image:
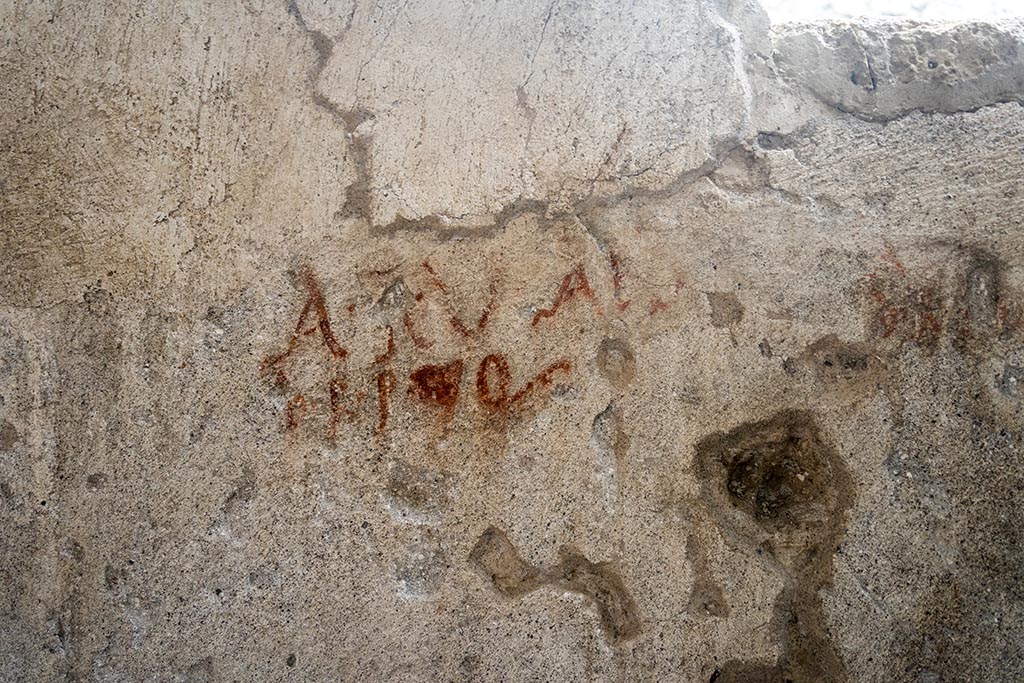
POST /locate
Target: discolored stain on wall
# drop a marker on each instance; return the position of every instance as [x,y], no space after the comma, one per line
[726,309]
[706,596]
[602,584]
[616,362]
[836,360]
[778,485]
[496,556]
[8,436]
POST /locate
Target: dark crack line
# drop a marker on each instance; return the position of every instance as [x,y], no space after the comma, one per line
[324,48]
[540,42]
[442,230]
[357,200]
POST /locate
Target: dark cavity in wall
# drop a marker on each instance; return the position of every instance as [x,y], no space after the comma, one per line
[777,484]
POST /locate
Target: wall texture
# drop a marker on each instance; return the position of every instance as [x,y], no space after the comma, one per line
[508,341]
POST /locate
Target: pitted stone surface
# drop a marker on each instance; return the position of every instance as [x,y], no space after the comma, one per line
[881,72]
[544,341]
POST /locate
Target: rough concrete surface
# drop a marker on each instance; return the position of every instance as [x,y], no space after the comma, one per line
[508,341]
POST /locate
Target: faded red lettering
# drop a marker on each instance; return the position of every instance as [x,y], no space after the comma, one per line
[493,392]
[888,255]
[657,306]
[573,284]
[493,378]
[294,412]
[485,316]
[455,321]
[336,390]
[385,385]
[543,379]
[437,384]
[417,339]
[618,276]
[314,306]
[434,277]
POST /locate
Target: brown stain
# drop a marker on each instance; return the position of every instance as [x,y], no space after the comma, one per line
[8,436]
[989,307]
[422,570]
[775,480]
[599,581]
[833,359]
[847,371]
[444,230]
[573,284]
[394,295]
[778,486]
[616,362]
[358,196]
[438,384]
[242,494]
[315,305]
[497,558]
[726,309]
[706,597]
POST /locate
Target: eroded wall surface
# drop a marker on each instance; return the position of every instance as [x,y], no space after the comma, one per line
[514,341]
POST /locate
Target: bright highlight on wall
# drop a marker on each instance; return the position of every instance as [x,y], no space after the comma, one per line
[926,10]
